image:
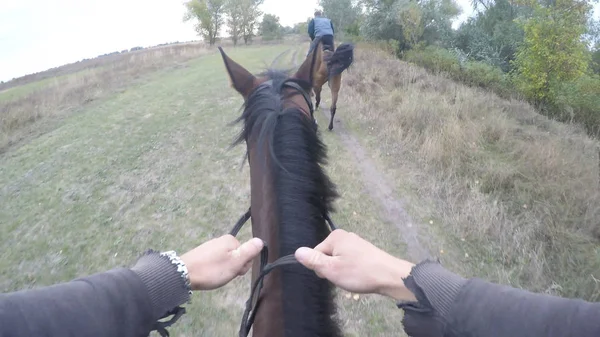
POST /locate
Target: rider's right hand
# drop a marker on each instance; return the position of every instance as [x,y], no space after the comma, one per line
[357,266]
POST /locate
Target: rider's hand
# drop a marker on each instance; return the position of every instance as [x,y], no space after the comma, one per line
[357,266]
[218,261]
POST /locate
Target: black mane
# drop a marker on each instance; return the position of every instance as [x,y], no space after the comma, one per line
[341,59]
[303,193]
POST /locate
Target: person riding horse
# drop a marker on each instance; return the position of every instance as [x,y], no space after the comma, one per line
[321,27]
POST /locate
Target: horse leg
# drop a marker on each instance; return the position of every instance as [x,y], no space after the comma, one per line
[317,90]
[335,83]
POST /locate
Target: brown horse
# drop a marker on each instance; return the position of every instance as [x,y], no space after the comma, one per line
[329,68]
[290,194]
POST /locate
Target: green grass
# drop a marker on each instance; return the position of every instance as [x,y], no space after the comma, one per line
[149,167]
[11,94]
[20,91]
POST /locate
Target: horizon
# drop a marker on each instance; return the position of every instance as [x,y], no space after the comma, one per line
[77,30]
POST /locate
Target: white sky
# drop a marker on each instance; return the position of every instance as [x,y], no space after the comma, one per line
[39,34]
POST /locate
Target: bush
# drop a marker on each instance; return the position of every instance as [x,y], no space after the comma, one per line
[435,59]
[472,73]
[578,101]
[573,101]
[391,47]
[487,76]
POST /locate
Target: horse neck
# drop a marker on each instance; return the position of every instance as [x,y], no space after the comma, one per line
[264,226]
[294,301]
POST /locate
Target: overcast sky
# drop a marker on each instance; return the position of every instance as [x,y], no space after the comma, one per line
[39,34]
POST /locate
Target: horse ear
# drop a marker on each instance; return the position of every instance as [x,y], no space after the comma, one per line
[241,79]
[306,70]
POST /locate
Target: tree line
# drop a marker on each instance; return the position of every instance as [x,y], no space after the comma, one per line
[239,17]
[545,51]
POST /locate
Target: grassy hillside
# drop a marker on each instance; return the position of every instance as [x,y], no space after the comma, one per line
[31,108]
[148,166]
[502,192]
[421,162]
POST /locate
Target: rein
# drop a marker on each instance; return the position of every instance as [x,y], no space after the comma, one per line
[265,269]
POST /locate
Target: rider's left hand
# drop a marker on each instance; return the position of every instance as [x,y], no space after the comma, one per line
[218,261]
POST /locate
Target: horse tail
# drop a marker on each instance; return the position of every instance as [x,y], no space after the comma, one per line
[341,59]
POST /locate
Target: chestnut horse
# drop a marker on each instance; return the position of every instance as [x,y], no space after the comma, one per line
[328,69]
[290,198]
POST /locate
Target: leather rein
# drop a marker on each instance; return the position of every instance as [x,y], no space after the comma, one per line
[265,269]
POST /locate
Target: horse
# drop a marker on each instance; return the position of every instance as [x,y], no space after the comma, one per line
[329,68]
[290,197]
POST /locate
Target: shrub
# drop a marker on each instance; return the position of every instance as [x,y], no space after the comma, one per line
[487,76]
[472,73]
[578,101]
[436,59]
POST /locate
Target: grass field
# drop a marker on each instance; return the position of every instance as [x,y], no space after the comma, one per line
[424,166]
[497,190]
[150,167]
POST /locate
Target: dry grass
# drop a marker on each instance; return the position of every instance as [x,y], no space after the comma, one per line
[60,90]
[514,194]
[62,94]
[150,167]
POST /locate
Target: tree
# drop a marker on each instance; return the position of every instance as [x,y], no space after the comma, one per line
[592,34]
[234,10]
[250,15]
[408,22]
[287,30]
[553,51]
[437,21]
[411,20]
[381,20]
[343,13]
[301,28]
[595,62]
[493,35]
[209,16]
[270,28]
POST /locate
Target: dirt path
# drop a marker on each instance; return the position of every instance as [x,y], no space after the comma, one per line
[277,60]
[378,186]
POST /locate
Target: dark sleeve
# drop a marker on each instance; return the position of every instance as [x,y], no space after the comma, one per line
[311,29]
[120,302]
[333,30]
[449,305]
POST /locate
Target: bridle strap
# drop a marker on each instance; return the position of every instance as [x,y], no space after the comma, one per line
[296,86]
[304,94]
[265,268]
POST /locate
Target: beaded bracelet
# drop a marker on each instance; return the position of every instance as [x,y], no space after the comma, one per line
[181,268]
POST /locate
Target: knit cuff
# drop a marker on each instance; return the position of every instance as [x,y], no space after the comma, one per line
[437,284]
[166,287]
[436,290]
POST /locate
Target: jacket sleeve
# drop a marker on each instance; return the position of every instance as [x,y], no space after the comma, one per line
[449,305]
[120,302]
[333,30]
[311,29]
